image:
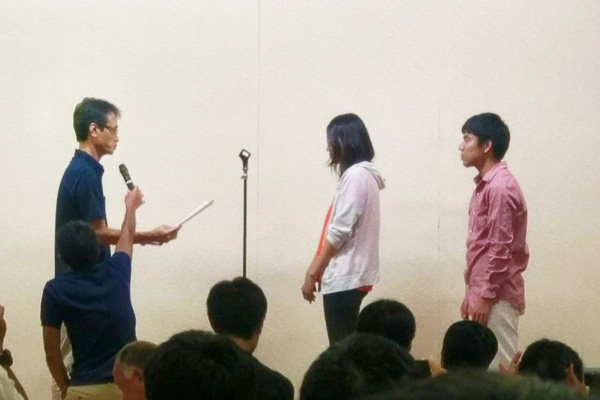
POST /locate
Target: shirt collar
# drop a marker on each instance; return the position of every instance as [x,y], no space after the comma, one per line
[90,161]
[491,173]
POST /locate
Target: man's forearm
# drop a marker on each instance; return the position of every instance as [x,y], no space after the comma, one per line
[128,227]
[58,371]
[125,243]
[110,236]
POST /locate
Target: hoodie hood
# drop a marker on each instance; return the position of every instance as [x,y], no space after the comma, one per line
[371,168]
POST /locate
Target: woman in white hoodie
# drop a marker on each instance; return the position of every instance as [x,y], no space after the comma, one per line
[347,261]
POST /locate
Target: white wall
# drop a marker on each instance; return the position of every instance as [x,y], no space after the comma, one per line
[197,81]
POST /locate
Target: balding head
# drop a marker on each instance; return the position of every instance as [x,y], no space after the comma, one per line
[129,369]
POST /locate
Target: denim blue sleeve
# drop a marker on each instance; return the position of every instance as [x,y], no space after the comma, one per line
[50,312]
[121,264]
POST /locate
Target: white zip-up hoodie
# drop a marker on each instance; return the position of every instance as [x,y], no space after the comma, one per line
[354,230]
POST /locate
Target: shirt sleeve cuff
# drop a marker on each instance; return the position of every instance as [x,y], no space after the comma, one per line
[335,241]
[121,255]
[488,293]
[52,324]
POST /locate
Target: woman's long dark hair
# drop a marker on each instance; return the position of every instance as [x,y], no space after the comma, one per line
[348,142]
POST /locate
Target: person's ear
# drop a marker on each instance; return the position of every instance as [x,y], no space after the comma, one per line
[487,146]
[573,381]
[93,129]
[138,375]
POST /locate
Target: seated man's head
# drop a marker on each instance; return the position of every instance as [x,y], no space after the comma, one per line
[358,365]
[237,309]
[388,318]
[551,360]
[199,365]
[468,344]
[128,371]
[77,245]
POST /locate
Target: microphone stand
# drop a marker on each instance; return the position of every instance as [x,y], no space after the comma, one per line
[245,155]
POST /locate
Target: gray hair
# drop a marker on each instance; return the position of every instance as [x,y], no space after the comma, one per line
[136,354]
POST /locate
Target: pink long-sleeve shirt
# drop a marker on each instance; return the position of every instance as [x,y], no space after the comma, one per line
[497,252]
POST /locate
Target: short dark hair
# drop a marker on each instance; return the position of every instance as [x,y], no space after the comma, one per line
[77,245]
[136,354]
[388,318]
[489,127]
[468,344]
[358,365]
[89,111]
[348,142]
[236,307]
[199,365]
[549,360]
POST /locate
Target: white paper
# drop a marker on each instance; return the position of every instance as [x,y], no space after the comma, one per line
[197,211]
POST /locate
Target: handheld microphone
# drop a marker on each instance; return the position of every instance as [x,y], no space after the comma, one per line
[125,172]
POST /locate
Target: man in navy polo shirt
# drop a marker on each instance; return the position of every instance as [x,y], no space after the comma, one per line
[80,194]
[94,303]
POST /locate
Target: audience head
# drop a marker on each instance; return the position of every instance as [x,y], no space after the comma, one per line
[388,318]
[552,360]
[468,344]
[78,245]
[359,364]
[195,365]
[237,309]
[348,142]
[489,127]
[478,385]
[90,111]
[129,369]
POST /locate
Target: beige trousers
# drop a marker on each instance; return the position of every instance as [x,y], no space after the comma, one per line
[104,391]
[504,322]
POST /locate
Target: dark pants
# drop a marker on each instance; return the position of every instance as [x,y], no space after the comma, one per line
[341,313]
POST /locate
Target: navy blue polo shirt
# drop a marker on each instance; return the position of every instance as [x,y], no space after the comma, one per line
[80,198]
[95,306]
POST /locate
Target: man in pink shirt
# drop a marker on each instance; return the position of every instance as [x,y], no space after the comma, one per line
[497,252]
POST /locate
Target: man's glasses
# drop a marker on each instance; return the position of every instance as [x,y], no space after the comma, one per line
[114,131]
